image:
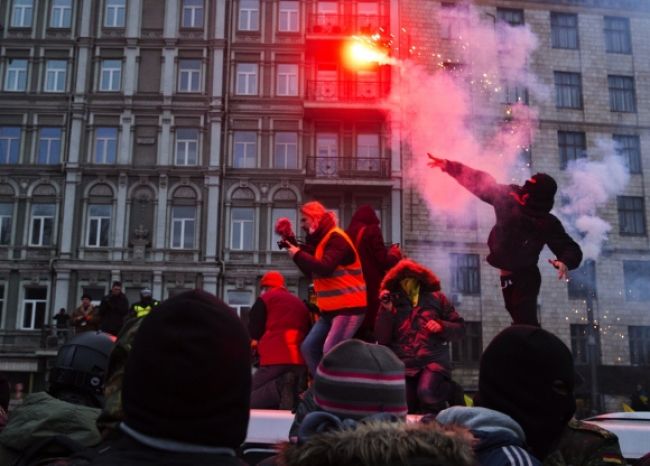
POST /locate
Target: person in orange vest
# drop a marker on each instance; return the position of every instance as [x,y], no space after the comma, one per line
[331,260]
[279,322]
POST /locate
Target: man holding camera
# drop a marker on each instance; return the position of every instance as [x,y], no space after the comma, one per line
[417,321]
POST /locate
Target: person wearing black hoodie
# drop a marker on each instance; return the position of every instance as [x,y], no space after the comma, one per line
[523,226]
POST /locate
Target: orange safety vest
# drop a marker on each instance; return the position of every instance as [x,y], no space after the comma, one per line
[345,288]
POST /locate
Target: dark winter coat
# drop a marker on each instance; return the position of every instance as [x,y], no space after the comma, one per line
[376,259]
[404,330]
[112,311]
[521,231]
[382,444]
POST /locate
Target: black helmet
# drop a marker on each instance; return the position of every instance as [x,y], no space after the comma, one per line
[80,367]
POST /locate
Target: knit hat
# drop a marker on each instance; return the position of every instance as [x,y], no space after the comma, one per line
[188,376]
[272,279]
[527,373]
[357,379]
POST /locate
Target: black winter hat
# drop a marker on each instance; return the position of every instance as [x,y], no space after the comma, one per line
[541,189]
[527,373]
[188,377]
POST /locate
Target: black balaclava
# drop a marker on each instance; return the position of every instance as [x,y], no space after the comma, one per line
[527,373]
[541,189]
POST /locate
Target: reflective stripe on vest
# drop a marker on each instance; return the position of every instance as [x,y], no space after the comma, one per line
[141,311]
[345,288]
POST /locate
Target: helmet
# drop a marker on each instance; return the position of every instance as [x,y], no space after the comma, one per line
[80,366]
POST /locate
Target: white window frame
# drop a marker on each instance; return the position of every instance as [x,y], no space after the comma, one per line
[103,157]
[289,16]
[57,74]
[183,146]
[180,223]
[192,75]
[237,244]
[39,222]
[192,10]
[61,10]
[282,149]
[246,79]
[16,76]
[116,11]
[239,306]
[30,306]
[97,221]
[244,146]
[287,79]
[6,221]
[22,13]
[50,159]
[249,15]
[110,75]
[8,142]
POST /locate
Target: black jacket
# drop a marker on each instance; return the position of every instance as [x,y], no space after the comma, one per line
[112,311]
[521,231]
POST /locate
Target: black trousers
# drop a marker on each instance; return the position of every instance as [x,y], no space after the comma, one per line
[520,290]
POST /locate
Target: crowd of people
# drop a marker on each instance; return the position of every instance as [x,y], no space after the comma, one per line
[170,382]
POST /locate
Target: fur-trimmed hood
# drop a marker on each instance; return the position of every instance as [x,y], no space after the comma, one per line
[408,268]
[382,443]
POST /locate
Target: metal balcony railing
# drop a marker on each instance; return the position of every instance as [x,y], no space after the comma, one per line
[332,23]
[348,167]
[346,91]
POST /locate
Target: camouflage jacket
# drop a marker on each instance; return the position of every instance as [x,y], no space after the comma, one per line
[584,444]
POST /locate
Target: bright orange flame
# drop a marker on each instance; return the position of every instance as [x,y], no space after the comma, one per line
[359,55]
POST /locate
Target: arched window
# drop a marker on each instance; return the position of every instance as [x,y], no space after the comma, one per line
[184,219]
[7,201]
[99,216]
[42,216]
[285,204]
[242,220]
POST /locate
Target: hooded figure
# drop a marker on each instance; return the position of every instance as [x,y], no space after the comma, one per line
[376,259]
[524,225]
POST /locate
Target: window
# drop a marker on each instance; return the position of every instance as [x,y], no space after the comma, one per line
[183,227]
[55,74]
[241,228]
[245,149]
[639,338]
[580,343]
[249,15]
[279,212]
[636,276]
[288,17]
[189,75]
[621,93]
[111,76]
[21,14]
[513,93]
[241,301]
[629,147]
[568,90]
[105,145]
[511,16]
[468,350]
[34,308]
[6,215]
[453,20]
[192,14]
[114,13]
[367,152]
[42,225]
[9,144]
[16,75]
[617,35]
[564,30]
[285,155]
[99,225]
[631,216]
[287,82]
[572,146]
[49,146]
[187,146]
[583,281]
[326,154]
[61,14]
[246,80]
[465,273]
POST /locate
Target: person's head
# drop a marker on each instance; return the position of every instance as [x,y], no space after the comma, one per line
[527,373]
[357,379]
[539,192]
[116,288]
[365,215]
[145,294]
[272,279]
[62,311]
[85,300]
[188,377]
[78,372]
[311,215]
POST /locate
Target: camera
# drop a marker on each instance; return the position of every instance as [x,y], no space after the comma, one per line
[284,244]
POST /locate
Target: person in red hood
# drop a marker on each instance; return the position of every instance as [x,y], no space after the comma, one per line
[524,225]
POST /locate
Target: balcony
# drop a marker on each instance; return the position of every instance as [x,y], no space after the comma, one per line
[334,91]
[331,24]
[348,168]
